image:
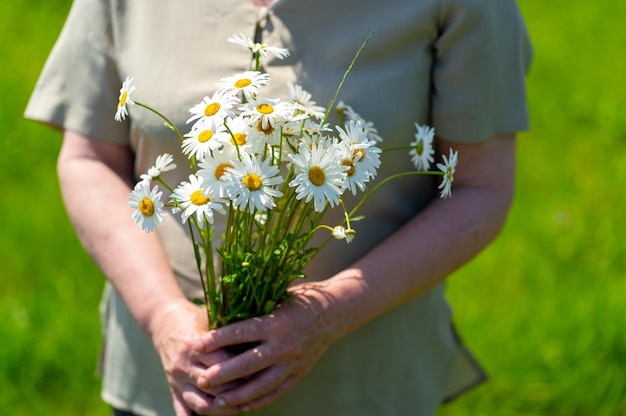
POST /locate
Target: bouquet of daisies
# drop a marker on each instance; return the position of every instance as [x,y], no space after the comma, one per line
[272,167]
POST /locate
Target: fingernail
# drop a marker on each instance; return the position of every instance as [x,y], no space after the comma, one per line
[221,402]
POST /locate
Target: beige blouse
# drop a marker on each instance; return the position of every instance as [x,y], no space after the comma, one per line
[456,65]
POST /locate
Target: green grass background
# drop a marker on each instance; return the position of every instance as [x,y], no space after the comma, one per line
[544,307]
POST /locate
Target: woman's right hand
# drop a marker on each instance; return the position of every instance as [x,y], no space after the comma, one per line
[174,332]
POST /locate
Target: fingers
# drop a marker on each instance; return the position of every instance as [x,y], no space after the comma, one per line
[200,363]
[180,407]
[184,364]
[198,401]
[184,372]
[192,401]
[206,360]
[239,367]
[233,334]
[287,345]
[262,390]
[269,381]
[271,397]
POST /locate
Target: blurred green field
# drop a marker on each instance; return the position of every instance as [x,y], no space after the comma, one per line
[544,308]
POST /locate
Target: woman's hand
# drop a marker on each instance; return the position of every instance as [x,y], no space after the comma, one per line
[175,331]
[290,341]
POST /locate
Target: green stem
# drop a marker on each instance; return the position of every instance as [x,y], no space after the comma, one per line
[162,182]
[208,299]
[345,212]
[167,120]
[393,149]
[345,75]
[234,140]
[209,272]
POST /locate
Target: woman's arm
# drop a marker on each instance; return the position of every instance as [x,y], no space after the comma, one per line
[95,179]
[442,238]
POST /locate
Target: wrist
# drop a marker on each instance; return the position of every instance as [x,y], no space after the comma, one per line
[339,302]
[160,313]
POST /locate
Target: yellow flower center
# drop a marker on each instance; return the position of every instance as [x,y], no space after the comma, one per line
[123,98]
[146,207]
[316,175]
[265,108]
[205,136]
[221,169]
[243,82]
[240,138]
[198,198]
[359,154]
[252,182]
[212,109]
[350,164]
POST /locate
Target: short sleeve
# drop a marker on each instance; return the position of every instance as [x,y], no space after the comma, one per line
[482,55]
[78,87]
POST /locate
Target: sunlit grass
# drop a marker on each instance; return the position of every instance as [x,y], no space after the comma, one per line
[543,307]
[49,289]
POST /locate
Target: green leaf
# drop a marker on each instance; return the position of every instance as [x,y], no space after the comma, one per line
[269,306]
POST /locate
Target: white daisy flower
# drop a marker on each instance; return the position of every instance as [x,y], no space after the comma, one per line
[303,102]
[270,111]
[310,140]
[366,153]
[352,132]
[359,168]
[145,178]
[341,106]
[191,199]
[447,167]
[204,138]
[124,101]
[303,128]
[218,106]
[321,175]
[251,183]
[213,169]
[422,148]
[368,126]
[340,233]
[240,134]
[258,48]
[148,206]
[307,132]
[261,137]
[248,82]
[164,163]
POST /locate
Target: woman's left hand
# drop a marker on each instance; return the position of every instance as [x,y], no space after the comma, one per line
[290,341]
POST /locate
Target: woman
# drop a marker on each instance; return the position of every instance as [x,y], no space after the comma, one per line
[369,332]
